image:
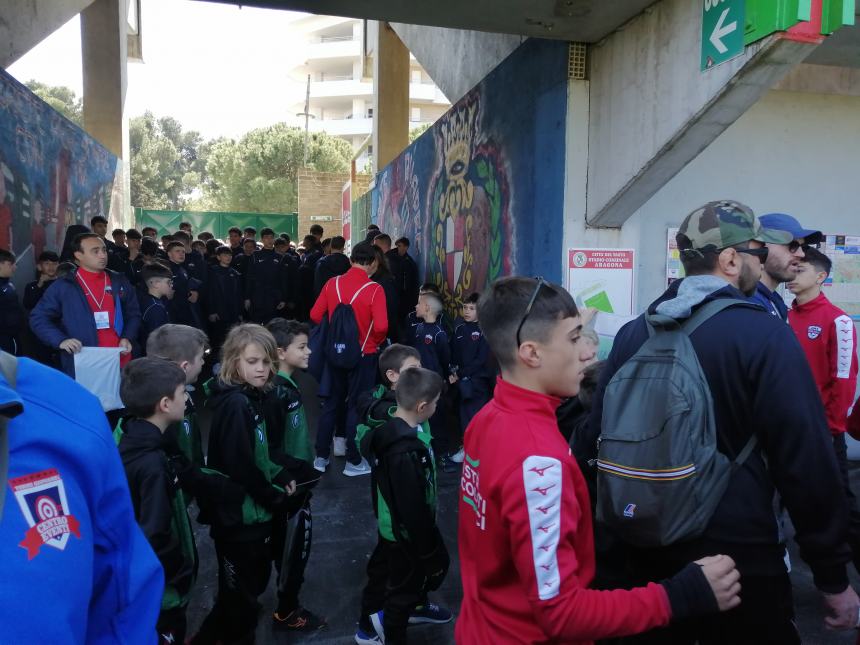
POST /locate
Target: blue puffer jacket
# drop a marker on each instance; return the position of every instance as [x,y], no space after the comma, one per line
[76,567]
[63,312]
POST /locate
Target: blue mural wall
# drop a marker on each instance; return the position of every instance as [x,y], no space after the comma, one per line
[52,174]
[481,193]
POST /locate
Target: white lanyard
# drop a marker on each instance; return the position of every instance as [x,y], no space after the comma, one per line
[92,295]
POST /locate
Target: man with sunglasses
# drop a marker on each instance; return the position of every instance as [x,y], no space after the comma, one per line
[782,260]
[760,383]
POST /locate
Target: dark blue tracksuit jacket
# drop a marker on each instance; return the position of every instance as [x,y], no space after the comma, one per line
[761,383]
[432,344]
[470,354]
[63,312]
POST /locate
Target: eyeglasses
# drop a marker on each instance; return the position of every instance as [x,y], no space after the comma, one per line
[761,253]
[793,246]
[540,282]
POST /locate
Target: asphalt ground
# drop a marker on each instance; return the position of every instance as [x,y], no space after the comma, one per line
[344,534]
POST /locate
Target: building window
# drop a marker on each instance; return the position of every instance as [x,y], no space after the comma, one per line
[369,113]
[415,114]
[416,75]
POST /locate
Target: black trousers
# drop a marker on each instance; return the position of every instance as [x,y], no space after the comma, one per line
[243,574]
[342,391]
[764,617]
[291,559]
[841,451]
[171,626]
[395,585]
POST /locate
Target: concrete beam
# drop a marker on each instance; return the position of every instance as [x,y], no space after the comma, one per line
[456,59]
[821,79]
[652,109]
[26,23]
[390,97]
[104,52]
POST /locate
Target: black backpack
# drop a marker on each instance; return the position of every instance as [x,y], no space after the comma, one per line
[343,348]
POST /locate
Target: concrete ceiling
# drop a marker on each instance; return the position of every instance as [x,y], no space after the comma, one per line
[576,20]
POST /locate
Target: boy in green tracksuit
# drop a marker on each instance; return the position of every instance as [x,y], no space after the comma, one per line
[378,407]
[153,390]
[290,446]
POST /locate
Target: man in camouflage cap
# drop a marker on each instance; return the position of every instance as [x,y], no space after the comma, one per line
[759,383]
[717,226]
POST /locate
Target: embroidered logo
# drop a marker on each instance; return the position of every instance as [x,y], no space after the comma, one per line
[476,336]
[630,510]
[428,339]
[42,499]
[469,487]
[813,331]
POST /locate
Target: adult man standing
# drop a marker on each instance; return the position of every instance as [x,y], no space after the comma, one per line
[782,261]
[750,360]
[264,281]
[829,341]
[334,264]
[90,307]
[408,280]
[367,300]
[186,290]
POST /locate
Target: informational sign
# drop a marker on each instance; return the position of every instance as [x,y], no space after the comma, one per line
[722,31]
[843,286]
[602,279]
[607,327]
[674,268]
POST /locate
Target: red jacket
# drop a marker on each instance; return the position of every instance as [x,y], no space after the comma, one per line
[369,307]
[525,536]
[829,341]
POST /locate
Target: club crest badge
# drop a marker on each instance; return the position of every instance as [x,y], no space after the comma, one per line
[813,331]
[476,336]
[42,499]
[428,339]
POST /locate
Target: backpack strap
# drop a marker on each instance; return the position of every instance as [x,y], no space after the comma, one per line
[9,368]
[337,289]
[709,310]
[355,295]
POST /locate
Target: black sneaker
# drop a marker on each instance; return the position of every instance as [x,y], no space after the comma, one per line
[298,620]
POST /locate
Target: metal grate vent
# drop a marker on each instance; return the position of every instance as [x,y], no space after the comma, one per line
[576,62]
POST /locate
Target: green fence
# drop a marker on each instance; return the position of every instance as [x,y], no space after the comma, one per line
[216,223]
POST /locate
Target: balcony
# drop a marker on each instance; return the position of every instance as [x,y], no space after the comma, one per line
[344,127]
[334,48]
[426,93]
[344,88]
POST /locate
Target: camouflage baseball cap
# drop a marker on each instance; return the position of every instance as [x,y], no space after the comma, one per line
[726,223]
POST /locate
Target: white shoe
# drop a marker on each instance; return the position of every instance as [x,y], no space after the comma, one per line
[320,464]
[458,456]
[339,449]
[354,470]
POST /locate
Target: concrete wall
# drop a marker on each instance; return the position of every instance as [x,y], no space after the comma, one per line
[26,23]
[320,196]
[481,193]
[792,152]
[456,59]
[52,173]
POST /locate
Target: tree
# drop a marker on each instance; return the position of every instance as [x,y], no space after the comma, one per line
[61,98]
[418,130]
[167,164]
[259,172]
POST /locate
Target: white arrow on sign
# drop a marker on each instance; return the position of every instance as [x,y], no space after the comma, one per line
[721,31]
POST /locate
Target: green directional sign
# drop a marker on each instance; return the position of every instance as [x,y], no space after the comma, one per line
[722,31]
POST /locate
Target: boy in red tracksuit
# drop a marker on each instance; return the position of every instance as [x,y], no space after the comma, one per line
[525,534]
[829,341]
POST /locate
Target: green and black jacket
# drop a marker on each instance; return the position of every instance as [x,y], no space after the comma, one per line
[285,418]
[159,507]
[239,450]
[186,434]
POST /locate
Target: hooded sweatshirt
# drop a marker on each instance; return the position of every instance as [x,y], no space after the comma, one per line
[159,507]
[829,340]
[760,382]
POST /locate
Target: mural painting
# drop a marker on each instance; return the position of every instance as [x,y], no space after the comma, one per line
[52,174]
[467,191]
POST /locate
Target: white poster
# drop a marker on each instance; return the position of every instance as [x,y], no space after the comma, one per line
[602,279]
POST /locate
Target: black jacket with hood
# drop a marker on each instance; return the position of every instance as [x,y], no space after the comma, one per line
[761,383]
[159,506]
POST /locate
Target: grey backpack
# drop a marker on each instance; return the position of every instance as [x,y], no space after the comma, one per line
[659,473]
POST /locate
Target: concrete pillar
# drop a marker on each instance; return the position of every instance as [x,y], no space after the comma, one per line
[104,58]
[390,97]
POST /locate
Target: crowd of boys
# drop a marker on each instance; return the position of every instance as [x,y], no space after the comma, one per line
[530,554]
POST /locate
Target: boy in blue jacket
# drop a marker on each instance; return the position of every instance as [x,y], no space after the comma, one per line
[469,366]
[158,282]
[66,517]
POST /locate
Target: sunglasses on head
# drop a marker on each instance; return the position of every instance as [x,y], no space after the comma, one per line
[540,283]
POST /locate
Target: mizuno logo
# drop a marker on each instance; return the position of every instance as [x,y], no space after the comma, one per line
[546,528]
[543,491]
[545,509]
[541,471]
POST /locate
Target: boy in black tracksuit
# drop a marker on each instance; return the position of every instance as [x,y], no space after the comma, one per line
[264,281]
[290,445]
[258,488]
[33,292]
[153,391]
[11,312]
[154,294]
[469,360]
[223,301]
[410,558]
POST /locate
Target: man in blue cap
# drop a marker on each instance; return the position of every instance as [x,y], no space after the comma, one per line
[782,259]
